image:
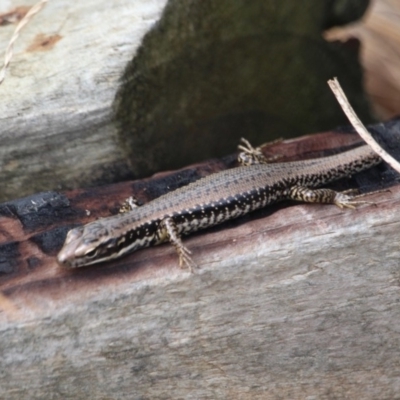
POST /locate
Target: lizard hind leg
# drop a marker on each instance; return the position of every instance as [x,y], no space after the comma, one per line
[169,227]
[250,155]
[347,198]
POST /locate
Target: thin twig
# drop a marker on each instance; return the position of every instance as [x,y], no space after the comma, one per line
[358,125]
[9,51]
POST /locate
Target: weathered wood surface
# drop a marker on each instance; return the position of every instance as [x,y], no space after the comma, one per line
[291,302]
[379,33]
[202,78]
[56,101]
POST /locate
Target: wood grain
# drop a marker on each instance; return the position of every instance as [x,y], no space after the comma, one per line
[192,77]
[295,301]
[56,109]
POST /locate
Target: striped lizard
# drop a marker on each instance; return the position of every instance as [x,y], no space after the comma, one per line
[212,200]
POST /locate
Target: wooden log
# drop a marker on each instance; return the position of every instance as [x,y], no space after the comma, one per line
[56,127]
[296,301]
[197,77]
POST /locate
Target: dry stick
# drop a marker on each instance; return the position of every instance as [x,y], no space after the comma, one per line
[358,125]
[9,52]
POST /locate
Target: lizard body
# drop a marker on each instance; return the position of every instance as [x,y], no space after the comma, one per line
[210,201]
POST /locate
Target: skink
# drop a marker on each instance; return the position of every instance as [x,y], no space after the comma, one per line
[212,200]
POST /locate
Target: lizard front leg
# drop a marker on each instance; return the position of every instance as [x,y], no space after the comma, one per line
[128,205]
[169,229]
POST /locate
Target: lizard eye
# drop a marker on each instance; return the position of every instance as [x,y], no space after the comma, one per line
[91,253]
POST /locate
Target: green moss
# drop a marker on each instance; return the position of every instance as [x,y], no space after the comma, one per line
[211,72]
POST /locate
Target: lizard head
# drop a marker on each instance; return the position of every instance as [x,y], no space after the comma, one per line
[87,245]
